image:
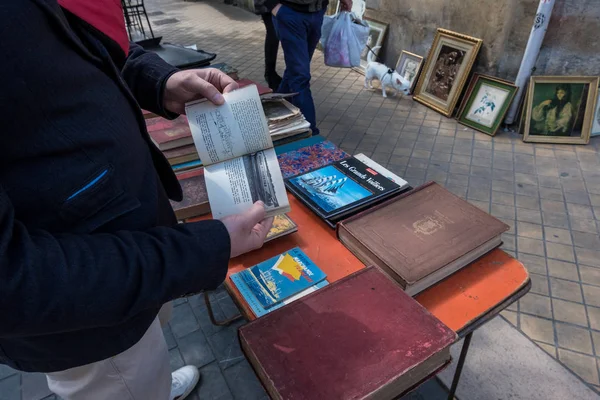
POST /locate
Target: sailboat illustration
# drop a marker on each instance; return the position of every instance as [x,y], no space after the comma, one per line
[315,182]
[328,185]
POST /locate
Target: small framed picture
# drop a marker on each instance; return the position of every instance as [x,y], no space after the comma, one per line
[560,109]
[485,103]
[377,33]
[596,123]
[446,70]
[409,66]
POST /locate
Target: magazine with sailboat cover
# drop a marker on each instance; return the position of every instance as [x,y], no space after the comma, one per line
[342,187]
[280,277]
[235,146]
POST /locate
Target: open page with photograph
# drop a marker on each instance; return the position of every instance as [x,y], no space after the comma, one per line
[231,130]
[234,185]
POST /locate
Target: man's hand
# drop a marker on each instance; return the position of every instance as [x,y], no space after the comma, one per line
[194,84]
[345,5]
[546,103]
[275,9]
[248,230]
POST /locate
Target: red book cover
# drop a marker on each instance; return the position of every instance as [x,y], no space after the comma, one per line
[261,89]
[168,134]
[360,337]
[195,197]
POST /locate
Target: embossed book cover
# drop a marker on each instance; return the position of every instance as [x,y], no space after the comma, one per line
[422,236]
[360,337]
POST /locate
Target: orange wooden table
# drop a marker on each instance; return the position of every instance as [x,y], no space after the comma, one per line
[464,301]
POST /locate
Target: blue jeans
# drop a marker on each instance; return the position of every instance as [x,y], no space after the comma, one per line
[299,34]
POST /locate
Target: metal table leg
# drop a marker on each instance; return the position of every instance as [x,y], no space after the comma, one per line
[459,366]
[211,315]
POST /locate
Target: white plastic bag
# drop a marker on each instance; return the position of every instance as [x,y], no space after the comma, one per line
[343,37]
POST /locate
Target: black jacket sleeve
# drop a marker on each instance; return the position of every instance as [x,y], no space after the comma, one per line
[59,283]
[146,75]
[270,4]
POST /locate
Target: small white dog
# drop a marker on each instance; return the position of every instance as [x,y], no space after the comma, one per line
[386,76]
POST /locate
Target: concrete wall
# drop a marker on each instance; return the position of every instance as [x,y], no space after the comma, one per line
[571,46]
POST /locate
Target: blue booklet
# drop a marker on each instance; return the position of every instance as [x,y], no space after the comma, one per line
[279,278]
[255,305]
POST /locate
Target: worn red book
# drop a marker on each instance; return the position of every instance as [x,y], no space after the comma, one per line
[360,337]
[195,197]
[261,89]
[169,134]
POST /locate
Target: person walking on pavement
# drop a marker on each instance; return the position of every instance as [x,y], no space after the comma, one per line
[298,26]
[271,45]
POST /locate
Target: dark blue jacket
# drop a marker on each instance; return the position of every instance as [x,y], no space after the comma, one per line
[89,246]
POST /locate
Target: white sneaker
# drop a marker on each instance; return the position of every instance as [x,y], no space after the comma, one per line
[183,382]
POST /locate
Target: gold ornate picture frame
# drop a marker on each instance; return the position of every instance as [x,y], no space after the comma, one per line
[560,109]
[447,67]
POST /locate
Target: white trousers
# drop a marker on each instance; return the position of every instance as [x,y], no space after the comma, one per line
[141,372]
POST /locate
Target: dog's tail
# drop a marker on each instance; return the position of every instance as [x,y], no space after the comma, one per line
[371,52]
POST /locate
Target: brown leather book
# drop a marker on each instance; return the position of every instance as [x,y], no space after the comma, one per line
[422,236]
[360,337]
[195,198]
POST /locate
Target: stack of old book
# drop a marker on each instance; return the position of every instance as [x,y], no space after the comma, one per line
[343,188]
[286,122]
[174,139]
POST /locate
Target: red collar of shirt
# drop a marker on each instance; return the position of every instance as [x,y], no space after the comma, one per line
[104,15]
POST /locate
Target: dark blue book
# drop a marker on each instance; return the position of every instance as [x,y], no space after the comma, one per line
[343,188]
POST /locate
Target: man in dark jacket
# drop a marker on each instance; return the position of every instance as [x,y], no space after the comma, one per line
[89,246]
[298,26]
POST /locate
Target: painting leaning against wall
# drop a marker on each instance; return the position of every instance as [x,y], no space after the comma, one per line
[446,70]
[560,109]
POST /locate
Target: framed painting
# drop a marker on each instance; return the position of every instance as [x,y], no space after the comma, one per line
[560,109]
[377,33]
[446,69]
[596,122]
[409,66]
[332,7]
[358,7]
[486,102]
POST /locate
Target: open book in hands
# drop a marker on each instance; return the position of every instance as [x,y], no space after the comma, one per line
[235,146]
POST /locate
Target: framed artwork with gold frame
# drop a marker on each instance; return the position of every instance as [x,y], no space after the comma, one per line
[446,70]
[408,66]
[560,109]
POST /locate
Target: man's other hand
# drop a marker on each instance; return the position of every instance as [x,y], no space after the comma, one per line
[194,84]
[248,230]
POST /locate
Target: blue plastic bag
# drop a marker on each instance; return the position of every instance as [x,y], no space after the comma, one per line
[343,37]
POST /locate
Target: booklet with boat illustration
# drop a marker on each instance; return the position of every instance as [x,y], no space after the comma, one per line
[278,278]
[343,188]
[235,146]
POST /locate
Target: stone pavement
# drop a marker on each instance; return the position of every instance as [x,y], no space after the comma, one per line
[549,195]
